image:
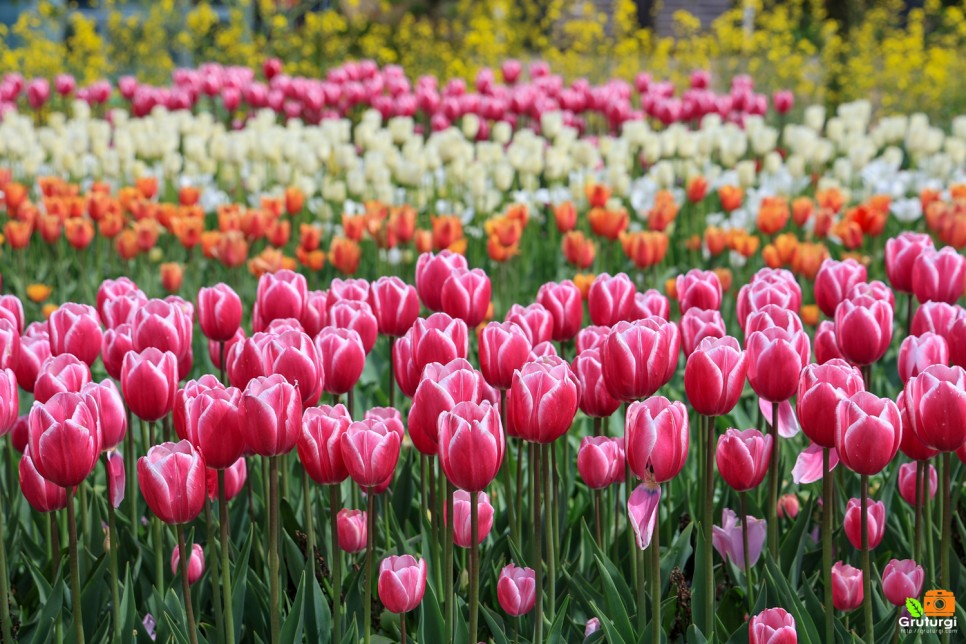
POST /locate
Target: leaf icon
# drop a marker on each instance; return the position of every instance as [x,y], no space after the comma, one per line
[914,607]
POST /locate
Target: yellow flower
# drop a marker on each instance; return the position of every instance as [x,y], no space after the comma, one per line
[38,292]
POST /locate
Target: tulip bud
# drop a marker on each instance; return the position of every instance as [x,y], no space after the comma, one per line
[600,461]
[462,528]
[219,312]
[75,329]
[41,494]
[772,626]
[907,482]
[352,527]
[272,412]
[656,438]
[196,563]
[566,307]
[847,591]
[64,441]
[516,590]
[402,582]
[149,380]
[471,444]
[867,432]
[901,579]
[853,523]
[743,457]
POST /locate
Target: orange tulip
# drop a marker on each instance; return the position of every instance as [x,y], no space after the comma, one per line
[870,217]
[353,226]
[696,189]
[402,223]
[785,245]
[309,237]
[97,186]
[50,228]
[498,252]
[423,240]
[583,281]
[48,309]
[597,195]
[725,277]
[772,215]
[824,219]
[957,191]
[188,195]
[313,260]
[147,233]
[671,288]
[952,228]
[279,232]
[664,211]
[38,292]
[98,204]
[744,244]
[126,244]
[294,200]
[693,242]
[730,197]
[14,194]
[209,241]
[188,230]
[147,186]
[508,231]
[270,260]
[928,196]
[446,230]
[111,224]
[808,258]
[254,223]
[273,206]
[231,249]
[715,239]
[578,250]
[608,223]
[458,246]
[810,314]
[831,198]
[344,254]
[171,276]
[79,232]
[771,257]
[850,232]
[802,209]
[519,212]
[566,216]
[127,196]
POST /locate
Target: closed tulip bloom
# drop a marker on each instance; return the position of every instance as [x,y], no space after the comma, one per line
[11,309]
[63,440]
[106,404]
[315,314]
[600,461]
[352,528]
[280,295]
[471,445]
[516,590]
[116,478]
[163,326]
[772,315]
[20,433]
[41,494]
[901,252]
[907,482]
[742,458]
[788,506]
[272,412]
[901,579]
[656,438]
[768,286]
[355,315]
[698,289]
[370,451]
[875,289]
[566,307]
[441,388]
[63,373]
[826,344]
[172,481]
[542,400]
[640,357]
[595,399]
[219,312]
[34,350]
[121,310]
[918,352]
[196,562]
[867,432]
[698,324]
[935,401]
[772,626]
[611,299]
[591,337]
[356,290]
[438,338]
[320,443]
[938,276]
[234,480]
[853,523]
[534,319]
[149,380]
[402,582]
[847,591]
[293,355]
[955,340]
[9,345]
[714,375]
[112,289]
[651,304]
[462,528]
[938,317]
[183,397]
[863,329]
[342,357]
[820,389]
[833,282]
[75,329]
[775,361]
[466,295]
[9,401]
[115,344]
[216,426]
[504,348]
[432,271]
[591,627]
[404,366]
[395,305]
[727,538]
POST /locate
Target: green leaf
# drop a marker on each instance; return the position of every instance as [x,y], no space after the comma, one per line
[431,626]
[698,590]
[497,628]
[914,607]
[292,627]
[53,606]
[555,634]
[616,610]
[788,599]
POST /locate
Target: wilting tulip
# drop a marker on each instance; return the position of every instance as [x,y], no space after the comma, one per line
[234,480]
[196,562]
[775,361]
[441,388]
[853,523]
[63,373]
[41,494]
[504,348]
[938,276]
[656,438]
[75,329]
[902,579]
[215,426]
[727,538]
[768,286]
[34,351]
[743,457]
[402,582]
[149,381]
[352,528]
[542,400]
[107,407]
[471,445]
[833,282]
[698,324]
[219,312]
[595,399]
[642,512]
[9,401]
[640,357]
[462,529]
[847,591]
[64,441]
[432,271]
[535,320]
[172,481]
[936,404]
[918,352]
[320,443]
[698,289]
[280,295]
[566,306]
[272,412]
[370,450]
[867,432]
[600,461]
[611,299]
[395,305]
[772,626]
[901,252]
[907,482]
[466,295]
[820,389]
[714,375]
[863,329]
[651,304]
[516,590]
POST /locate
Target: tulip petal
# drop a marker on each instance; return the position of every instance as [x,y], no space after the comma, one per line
[808,466]
[642,508]
[788,426]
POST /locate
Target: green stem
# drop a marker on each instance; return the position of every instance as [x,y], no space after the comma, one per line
[745,551]
[129,465]
[370,555]
[474,566]
[947,525]
[917,538]
[5,580]
[656,578]
[75,585]
[866,567]
[336,556]
[157,539]
[225,566]
[827,493]
[518,528]
[448,561]
[273,560]
[537,542]
[307,509]
[708,508]
[773,485]
[392,382]
[548,522]
[215,572]
[185,586]
[597,521]
[930,551]
[115,542]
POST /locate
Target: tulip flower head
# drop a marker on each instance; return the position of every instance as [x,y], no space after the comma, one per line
[847,591]
[727,538]
[772,626]
[516,590]
[196,562]
[743,457]
[901,579]
[471,444]
[173,481]
[352,529]
[402,582]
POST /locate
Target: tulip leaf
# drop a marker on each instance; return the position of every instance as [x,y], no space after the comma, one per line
[695,636]
[496,625]
[240,581]
[431,626]
[555,634]
[698,589]
[793,546]
[53,605]
[788,599]
[292,626]
[676,556]
[616,610]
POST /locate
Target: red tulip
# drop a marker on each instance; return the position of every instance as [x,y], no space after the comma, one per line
[9,345]
[907,482]
[356,290]
[542,400]
[651,304]
[355,315]
[902,579]
[640,357]
[34,350]
[591,337]
[847,591]
[432,272]
[293,355]
[611,299]
[272,412]
[370,451]
[772,315]
[462,528]
[107,407]
[820,389]
[352,528]
[698,289]
[775,360]
[600,461]
[504,348]
[149,380]
[219,312]
[402,582]
[833,282]
[742,458]
[280,295]
[121,310]
[234,480]
[938,317]
[215,426]
[111,290]
[595,399]
[698,324]
[938,276]
[853,522]
[566,306]
[395,305]
[900,257]
[9,401]
[172,481]
[768,286]
[867,432]
[714,376]
[41,494]
[936,404]
[826,344]
[196,562]
[920,351]
[63,373]
[471,445]
[863,329]
[115,344]
[441,388]
[516,590]
[656,438]
[75,329]
[438,338]
[64,441]
[772,626]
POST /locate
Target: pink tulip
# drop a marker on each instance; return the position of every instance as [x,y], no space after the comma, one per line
[783,100]
[775,361]
[10,345]
[833,282]
[768,286]
[149,380]
[280,295]
[902,579]
[352,528]
[438,338]
[656,438]
[742,458]
[441,388]
[315,315]
[516,590]
[462,528]
[163,326]
[853,523]
[788,506]
[402,582]
[196,563]
[293,355]
[727,538]
[432,271]
[9,401]
[41,494]
[111,290]
[172,481]
[642,507]
[863,329]
[356,290]
[698,289]
[219,312]
[591,337]
[867,432]
[234,480]
[542,400]
[772,626]
[714,375]
[471,444]
[466,295]
[535,320]
[640,357]
[900,257]
[116,478]
[938,317]
[595,399]
[936,406]
[11,309]
[772,315]
[820,388]
[847,591]
[404,367]
[64,441]
[907,482]
[357,316]
[504,348]
[272,410]
[698,324]
[611,299]
[107,407]
[651,304]
[34,351]
[938,276]
[370,451]
[115,344]
[216,426]
[600,461]
[63,373]
[566,306]
[395,305]
[826,344]
[75,329]
[918,352]
[320,443]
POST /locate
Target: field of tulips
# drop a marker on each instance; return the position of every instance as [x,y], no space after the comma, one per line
[295,360]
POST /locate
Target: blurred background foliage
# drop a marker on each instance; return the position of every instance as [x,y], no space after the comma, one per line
[902,55]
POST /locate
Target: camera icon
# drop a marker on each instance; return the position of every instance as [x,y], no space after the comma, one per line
[939,603]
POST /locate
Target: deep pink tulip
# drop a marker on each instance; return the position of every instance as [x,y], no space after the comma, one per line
[315,315]
[768,286]
[826,344]
[907,482]
[9,400]
[743,457]
[955,340]
[342,357]
[542,400]
[876,290]
[920,351]
[34,350]
[215,349]
[901,252]
[728,540]
[293,355]
[219,312]
[651,304]
[20,433]
[847,591]
[162,325]
[775,361]
[107,406]
[901,579]
[714,375]
[352,528]
[112,289]
[471,445]
[462,528]
[172,481]
[390,416]
[280,295]
[611,299]
[272,412]
[320,443]
[595,399]
[938,317]
[115,344]
[783,100]
[246,360]
[936,406]
[772,626]
[466,295]
[642,506]
[215,425]
[656,438]
[10,345]
[64,441]
[196,562]
[41,494]
[63,373]
[355,315]
[853,523]
[938,276]
[772,315]
[395,305]
[591,337]
[149,380]
[75,329]
[640,357]
[516,590]
[600,461]
[121,310]
[820,388]
[566,306]
[11,308]
[404,365]
[183,397]
[353,289]
[402,582]
[234,480]
[438,338]
[698,289]
[534,319]
[867,432]
[432,271]
[504,348]
[834,280]
[698,324]
[788,506]
[441,388]
[116,478]
[370,451]
[863,329]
